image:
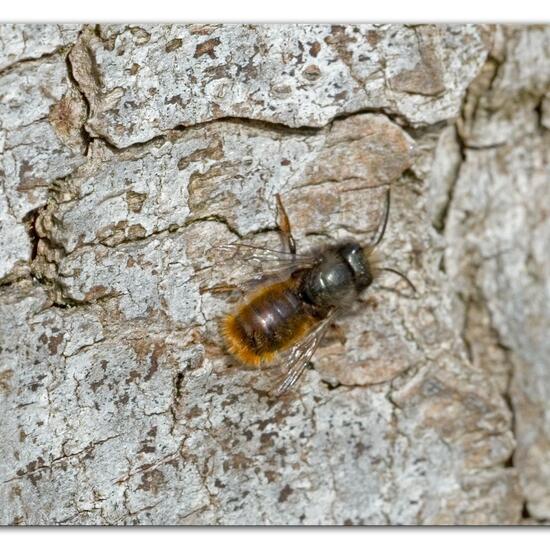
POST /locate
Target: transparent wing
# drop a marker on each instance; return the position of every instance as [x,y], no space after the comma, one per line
[266,258]
[300,356]
[268,264]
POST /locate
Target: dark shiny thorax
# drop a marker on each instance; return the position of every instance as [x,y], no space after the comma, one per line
[342,273]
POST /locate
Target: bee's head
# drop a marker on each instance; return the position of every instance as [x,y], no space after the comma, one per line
[360,262]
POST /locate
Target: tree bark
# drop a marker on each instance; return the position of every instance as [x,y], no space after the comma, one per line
[130,154]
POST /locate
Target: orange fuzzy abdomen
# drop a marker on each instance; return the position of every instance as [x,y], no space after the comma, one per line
[272,321]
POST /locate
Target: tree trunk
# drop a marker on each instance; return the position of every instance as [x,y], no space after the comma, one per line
[130,154]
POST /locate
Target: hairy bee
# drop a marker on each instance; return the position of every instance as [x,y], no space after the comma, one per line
[284,319]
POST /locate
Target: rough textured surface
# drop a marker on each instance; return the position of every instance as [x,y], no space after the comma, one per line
[19,43]
[142,81]
[499,234]
[130,153]
[41,115]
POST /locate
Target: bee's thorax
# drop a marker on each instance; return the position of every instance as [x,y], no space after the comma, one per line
[343,272]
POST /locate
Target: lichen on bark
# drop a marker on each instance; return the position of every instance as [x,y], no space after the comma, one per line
[129,153]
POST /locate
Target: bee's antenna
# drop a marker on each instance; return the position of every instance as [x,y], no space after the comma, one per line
[384,221]
[400,274]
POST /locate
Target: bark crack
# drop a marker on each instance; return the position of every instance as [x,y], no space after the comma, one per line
[33,60]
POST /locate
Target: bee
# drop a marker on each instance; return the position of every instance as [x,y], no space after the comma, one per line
[284,319]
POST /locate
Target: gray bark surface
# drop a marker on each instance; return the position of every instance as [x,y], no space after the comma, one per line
[129,154]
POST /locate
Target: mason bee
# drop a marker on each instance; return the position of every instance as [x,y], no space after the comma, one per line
[284,319]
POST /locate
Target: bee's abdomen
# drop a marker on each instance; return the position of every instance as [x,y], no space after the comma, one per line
[271,322]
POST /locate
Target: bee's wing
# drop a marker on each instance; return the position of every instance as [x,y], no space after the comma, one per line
[267,263]
[300,356]
[267,259]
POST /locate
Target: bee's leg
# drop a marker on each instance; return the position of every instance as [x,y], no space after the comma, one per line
[338,333]
[242,288]
[284,227]
[221,288]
